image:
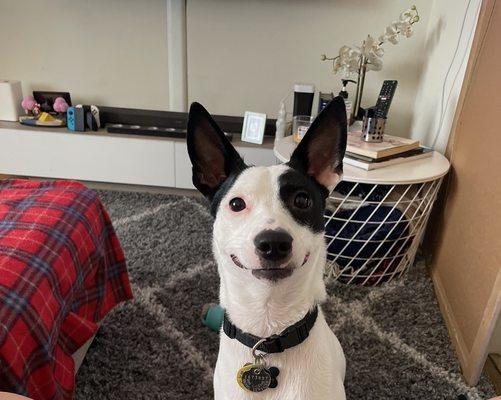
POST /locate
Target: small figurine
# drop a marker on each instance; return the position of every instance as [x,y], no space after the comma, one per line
[30,106]
[60,105]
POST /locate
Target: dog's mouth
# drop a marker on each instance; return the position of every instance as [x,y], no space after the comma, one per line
[271,273]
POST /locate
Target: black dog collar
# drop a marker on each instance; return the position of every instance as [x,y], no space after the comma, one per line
[290,337]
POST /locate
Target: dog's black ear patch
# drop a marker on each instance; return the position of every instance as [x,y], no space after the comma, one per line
[320,153]
[213,157]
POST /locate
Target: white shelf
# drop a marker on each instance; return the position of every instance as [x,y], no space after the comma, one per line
[423,170]
[104,157]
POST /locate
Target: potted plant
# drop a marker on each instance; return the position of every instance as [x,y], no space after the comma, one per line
[368,56]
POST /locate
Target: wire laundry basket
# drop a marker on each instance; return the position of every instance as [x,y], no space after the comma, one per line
[374,220]
[373,230]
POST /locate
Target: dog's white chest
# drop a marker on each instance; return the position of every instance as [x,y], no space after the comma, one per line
[312,370]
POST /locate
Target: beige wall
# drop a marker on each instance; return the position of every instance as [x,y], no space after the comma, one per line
[447,47]
[247,55]
[109,52]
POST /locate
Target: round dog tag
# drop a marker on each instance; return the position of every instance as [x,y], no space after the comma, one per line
[253,378]
[256,378]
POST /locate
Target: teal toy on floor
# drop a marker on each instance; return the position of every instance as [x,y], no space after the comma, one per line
[212,316]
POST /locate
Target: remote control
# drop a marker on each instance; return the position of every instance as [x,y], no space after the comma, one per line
[384,99]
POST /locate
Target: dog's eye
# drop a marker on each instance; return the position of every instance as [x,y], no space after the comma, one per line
[302,200]
[237,204]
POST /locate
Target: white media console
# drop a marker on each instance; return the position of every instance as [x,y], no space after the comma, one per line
[104,157]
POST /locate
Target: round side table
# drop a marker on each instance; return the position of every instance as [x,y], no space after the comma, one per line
[374,220]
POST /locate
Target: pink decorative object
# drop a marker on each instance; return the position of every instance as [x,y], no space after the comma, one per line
[28,103]
[36,109]
[60,105]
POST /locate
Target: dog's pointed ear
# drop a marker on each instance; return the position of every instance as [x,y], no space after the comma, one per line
[213,157]
[320,153]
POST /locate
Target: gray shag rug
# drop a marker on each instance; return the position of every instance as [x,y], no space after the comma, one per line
[155,347]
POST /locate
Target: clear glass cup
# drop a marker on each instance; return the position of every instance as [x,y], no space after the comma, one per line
[300,125]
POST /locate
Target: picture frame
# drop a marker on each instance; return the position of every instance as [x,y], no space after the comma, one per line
[253,127]
[46,99]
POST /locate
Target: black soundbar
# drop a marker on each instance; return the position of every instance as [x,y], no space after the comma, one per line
[168,123]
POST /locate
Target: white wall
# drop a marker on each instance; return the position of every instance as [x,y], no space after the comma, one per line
[447,46]
[109,52]
[246,55]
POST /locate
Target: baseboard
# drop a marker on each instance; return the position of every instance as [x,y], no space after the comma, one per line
[472,360]
[140,188]
[450,321]
[492,369]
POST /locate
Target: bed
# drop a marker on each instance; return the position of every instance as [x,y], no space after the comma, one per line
[62,269]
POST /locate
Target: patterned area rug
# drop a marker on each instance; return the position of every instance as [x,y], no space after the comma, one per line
[154,347]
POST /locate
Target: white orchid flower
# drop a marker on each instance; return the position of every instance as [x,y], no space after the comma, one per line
[368,45]
[344,52]
[354,53]
[379,51]
[374,63]
[400,26]
[407,31]
[391,34]
[354,59]
[377,66]
[354,64]
[336,65]
[404,25]
[372,46]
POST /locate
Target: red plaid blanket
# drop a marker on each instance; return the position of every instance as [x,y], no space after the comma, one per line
[61,270]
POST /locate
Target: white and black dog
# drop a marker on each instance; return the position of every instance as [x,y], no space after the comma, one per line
[269,246]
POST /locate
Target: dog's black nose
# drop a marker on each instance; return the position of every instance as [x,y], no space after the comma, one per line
[273,245]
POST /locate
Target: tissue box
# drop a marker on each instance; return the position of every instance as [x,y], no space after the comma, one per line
[11,95]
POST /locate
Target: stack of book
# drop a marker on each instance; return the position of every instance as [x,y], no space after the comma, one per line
[392,150]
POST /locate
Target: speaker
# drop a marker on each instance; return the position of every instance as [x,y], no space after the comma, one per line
[11,95]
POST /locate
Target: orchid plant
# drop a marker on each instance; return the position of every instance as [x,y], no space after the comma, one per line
[368,56]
